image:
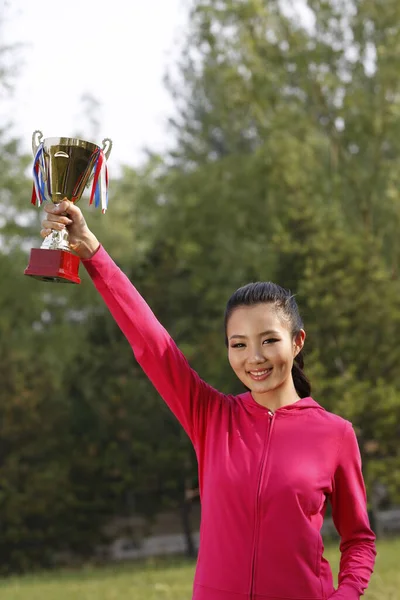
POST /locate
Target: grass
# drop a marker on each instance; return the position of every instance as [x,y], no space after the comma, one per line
[167,579]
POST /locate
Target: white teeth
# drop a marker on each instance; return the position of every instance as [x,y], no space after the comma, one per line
[259,373]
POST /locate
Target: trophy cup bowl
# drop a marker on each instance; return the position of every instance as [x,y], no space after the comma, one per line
[63,168]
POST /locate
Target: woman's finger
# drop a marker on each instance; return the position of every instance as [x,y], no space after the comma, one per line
[59,219]
[47,224]
[45,232]
[66,206]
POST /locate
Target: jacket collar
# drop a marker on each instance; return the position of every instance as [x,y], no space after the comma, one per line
[300,405]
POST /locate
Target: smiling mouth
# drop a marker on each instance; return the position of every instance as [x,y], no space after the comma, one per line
[261,374]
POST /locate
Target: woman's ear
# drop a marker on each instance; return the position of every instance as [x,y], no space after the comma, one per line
[298,342]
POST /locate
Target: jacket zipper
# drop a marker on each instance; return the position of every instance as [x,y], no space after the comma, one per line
[260,476]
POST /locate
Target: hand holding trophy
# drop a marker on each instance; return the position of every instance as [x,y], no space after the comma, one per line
[59,216]
[63,167]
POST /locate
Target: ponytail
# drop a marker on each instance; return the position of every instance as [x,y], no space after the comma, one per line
[300,380]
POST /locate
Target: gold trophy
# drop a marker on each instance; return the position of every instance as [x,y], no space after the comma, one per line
[63,168]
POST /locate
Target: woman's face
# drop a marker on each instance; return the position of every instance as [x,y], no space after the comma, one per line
[261,348]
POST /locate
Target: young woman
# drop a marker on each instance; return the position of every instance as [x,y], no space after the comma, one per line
[269,459]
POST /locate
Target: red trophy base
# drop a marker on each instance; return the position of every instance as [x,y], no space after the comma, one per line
[58,266]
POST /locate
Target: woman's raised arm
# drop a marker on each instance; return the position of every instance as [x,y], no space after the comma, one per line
[187,395]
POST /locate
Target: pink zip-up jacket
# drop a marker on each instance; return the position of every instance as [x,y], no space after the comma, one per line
[265,478]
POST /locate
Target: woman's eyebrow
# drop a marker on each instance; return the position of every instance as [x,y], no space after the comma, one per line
[269,332]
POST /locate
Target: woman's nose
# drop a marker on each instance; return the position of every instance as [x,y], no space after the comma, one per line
[256,357]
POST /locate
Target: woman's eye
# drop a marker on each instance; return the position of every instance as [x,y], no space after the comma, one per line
[238,345]
[270,341]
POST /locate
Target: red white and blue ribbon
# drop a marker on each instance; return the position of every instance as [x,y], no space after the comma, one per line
[100,182]
[39,185]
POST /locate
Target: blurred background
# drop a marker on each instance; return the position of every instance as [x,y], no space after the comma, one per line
[253,140]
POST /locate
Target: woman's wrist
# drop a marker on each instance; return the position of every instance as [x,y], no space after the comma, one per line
[87,246]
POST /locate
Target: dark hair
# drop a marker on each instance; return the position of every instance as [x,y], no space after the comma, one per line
[266,292]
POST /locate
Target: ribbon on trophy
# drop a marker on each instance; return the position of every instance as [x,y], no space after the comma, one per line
[39,184]
[100,182]
[99,191]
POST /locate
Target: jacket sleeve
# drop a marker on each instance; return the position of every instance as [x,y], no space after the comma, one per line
[349,512]
[187,395]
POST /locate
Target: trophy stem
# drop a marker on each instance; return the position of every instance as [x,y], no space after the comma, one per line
[56,240]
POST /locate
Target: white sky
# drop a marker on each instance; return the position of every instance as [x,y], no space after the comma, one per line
[116,50]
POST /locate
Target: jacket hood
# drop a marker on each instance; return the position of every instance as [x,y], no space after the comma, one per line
[301,404]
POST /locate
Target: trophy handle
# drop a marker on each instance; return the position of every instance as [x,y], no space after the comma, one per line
[107,145]
[107,142]
[37,138]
